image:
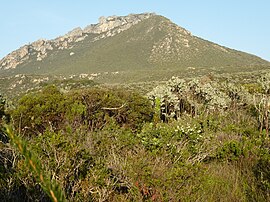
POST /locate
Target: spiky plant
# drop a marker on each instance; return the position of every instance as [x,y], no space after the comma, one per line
[50,187]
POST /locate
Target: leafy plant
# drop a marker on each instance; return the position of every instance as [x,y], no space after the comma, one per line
[231,151]
[52,189]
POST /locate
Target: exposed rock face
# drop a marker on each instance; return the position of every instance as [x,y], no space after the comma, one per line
[15,58]
[113,25]
[41,46]
[77,32]
[112,22]
[106,27]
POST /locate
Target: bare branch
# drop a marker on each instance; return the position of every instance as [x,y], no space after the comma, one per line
[114,108]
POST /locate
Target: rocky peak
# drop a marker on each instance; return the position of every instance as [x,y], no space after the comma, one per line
[75,32]
[107,27]
[112,22]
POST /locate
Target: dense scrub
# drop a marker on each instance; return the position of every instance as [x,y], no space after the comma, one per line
[93,108]
[192,140]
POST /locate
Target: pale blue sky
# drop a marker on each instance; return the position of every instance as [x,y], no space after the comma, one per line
[239,24]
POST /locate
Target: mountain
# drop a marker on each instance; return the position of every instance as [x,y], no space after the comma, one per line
[136,47]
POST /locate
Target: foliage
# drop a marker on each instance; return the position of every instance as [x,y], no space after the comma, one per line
[93,108]
[231,151]
[264,81]
[180,96]
[4,115]
[4,118]
[102,144]
[2,106]
[137,55]
[169,137]
[38,111]
[49,186]
[128,109]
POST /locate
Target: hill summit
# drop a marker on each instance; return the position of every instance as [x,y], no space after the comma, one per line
[141,43]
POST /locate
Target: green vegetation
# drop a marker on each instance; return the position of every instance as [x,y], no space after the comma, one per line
[201,139]
[147,53]
[114,129]
[154,49]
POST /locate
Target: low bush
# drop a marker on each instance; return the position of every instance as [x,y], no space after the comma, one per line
[93,108]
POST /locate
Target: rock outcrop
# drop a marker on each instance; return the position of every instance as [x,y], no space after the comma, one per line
[121,23]
[15,58]
[107,27]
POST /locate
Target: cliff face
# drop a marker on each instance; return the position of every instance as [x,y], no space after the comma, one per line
[107,27]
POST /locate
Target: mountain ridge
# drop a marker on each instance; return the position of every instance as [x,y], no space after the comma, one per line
[137,42]
[13,59]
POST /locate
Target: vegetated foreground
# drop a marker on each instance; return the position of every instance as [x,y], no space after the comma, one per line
[203,139]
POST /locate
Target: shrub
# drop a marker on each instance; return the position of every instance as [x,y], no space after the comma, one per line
[4,118]
[127,109]
[2,107]
[93,108]
[231,151]
[4,115]
[40,110]
[30,163]
[262,173]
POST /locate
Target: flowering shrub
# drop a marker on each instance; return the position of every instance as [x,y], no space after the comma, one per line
[180,96]
[156,137]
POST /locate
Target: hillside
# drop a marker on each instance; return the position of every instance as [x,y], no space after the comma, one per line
[134,48]
[91,116]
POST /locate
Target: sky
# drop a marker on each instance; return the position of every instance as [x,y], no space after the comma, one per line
[239,24]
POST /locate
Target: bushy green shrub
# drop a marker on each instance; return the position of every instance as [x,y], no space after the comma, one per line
[127,109]
[178,140]
[196,96]
[231,151]
[253,88]
[93,108]
[41,110]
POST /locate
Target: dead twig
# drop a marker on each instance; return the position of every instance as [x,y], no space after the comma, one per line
[114,108]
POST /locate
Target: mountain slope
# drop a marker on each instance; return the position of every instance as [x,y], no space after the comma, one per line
[143,44]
